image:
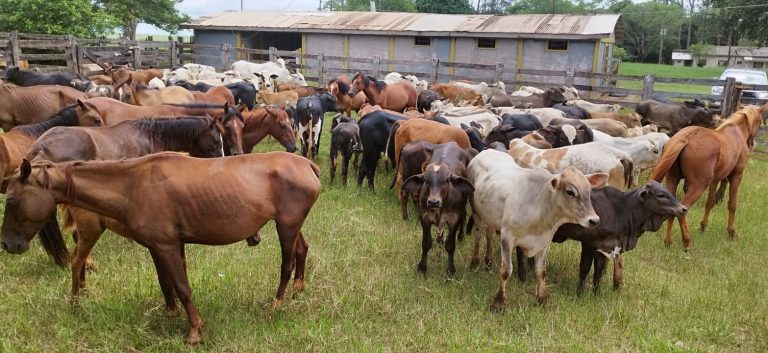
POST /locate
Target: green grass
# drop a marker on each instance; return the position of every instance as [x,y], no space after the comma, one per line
[364,294]
[641,69]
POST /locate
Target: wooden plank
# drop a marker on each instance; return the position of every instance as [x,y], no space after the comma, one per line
[43,44]
[685,95]
[61,56]
[200,46]
[602,89]
[351,60]
[583,74]
[403,62]
[468,66]
[49,68]
[542,73]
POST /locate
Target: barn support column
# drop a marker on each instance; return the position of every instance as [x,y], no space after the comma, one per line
[452,56]
[239,42]
[595,63]
[391,53]
[346,51]
[519,61]
[303,50]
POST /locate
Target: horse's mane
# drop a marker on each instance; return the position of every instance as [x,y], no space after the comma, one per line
[172,133]
[343,85]
[377,83]
[743,116]
[65,117]
[251,121]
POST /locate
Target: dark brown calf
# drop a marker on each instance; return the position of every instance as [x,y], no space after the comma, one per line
[443,194]
[345,139]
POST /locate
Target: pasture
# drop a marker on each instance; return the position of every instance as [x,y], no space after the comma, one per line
[364,294]
[642,69]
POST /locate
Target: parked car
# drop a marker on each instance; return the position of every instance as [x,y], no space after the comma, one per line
[746,76]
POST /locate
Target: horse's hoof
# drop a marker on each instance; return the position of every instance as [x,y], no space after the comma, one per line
[474,263]
[703,228]
[422,268]
[277,304]
[732,234]
[542,297]
[298,285]
[194,337]
[90,265]
[172,312]
[451,270]
[497,306]
[488,263]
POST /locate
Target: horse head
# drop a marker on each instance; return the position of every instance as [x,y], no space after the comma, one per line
[230,125]
[87,114]
[280,128]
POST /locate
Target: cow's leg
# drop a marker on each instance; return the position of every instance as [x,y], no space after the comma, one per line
[426,244]
[334,153]
[403,197]
[585,264]
[507,246]
[599,260]
[711,198]
[540,263]
[733,199]
[300,256]
[618,271]
[169,259]
[520,264]
[476,229]
[346,155]
[450,247]
[489,233]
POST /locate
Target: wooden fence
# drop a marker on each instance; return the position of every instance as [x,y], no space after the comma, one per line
[50,53]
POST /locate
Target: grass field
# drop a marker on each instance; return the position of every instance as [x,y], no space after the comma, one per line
[641,69]
[364,294]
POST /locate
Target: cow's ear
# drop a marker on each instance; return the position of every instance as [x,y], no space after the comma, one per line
[273,76]
[25,169]
[462,184]
[597,180]
[412,185]
[643,193]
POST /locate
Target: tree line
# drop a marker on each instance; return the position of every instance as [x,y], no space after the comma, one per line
[652,29]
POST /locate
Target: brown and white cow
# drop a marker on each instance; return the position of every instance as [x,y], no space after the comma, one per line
[527,206]
[442,192]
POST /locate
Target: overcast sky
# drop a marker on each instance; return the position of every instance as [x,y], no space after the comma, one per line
[197,8]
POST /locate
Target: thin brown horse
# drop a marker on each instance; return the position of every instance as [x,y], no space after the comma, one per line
[268,121]
[167,200]
[215,95]
[397,96]
[101,111]
[139,94]
[26,105]
[197,136]
[704,158]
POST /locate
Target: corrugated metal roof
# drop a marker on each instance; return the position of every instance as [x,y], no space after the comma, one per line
[592,26]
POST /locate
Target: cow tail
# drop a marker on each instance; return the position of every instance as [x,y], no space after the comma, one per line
[629,178]
[311,142]
[672,150]
[53,241]
[397,167]
[389,139]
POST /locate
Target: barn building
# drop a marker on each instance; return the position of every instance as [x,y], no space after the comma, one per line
[543,42]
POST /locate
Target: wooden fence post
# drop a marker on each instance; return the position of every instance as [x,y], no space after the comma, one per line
[272,54]
[71,54]
[173,52]
[499,73]
[226,48]
[320,69]
[376,66]
[15,50]
[731,97]
[648,86]
[570,77]
[435,66]
[136,50]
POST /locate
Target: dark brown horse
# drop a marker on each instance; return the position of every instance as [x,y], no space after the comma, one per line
[105,111]
[26,105]
[704,158]
[167,200]
[268,121]
[129,139]
[397,96]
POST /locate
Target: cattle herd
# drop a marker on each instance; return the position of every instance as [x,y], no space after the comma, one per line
[534,166]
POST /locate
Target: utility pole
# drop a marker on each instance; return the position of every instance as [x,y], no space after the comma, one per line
[241,5]
[663,33]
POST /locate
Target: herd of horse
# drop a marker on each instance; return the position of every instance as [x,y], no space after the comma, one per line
[149,164]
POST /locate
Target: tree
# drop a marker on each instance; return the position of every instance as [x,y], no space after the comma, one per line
[364,5]
[444,6]
[642,26]
[159,13]
[745,17]
[80,18]
[547,6]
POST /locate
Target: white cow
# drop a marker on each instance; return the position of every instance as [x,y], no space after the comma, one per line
[591,157]
[644,152]
[156,83]
[642,130]
[483,88]
[594,107]
[248,70]
[526,206]
[526,91]
[485,119]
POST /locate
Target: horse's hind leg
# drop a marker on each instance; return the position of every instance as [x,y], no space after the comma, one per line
[672,181]
[300,256]
[694,192]
[733,198]
[288,233]
[711,199]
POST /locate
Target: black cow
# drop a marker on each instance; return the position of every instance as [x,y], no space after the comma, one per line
[475,138]
[521,121]
[425,99]
[199,86]
[573,112]
[374,134]
[309,121]
[26,78]
[554,134]
[624,217]
[244,93]
[443,194]
[345,138]
[583,132]
[674,116]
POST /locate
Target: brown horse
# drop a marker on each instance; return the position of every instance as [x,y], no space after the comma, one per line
[339,88]
[215,95]
[139,94]
[167,200]
[397,96]
[129,139]
[268,121]
[101,111]
[26,105]
[140,76]
[704,158]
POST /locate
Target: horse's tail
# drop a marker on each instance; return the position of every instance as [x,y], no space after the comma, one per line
[53,241]
[672,150]
[629,178]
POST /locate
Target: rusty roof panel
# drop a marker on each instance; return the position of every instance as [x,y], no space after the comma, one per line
[401,23]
